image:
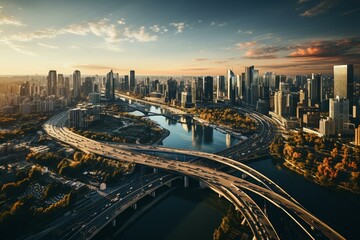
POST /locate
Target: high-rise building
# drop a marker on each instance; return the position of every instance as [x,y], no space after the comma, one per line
[197,90]
[88,86]
[171,86]
[110,86]
[208,88]
[314,89]
[60,80]
[249,77]
[126,83]
[132,80]
[239,86]
[339,112]
[231,80]
[344,83]
[357,136]
[327,127]
[76,84]
[51,83]
[220,87]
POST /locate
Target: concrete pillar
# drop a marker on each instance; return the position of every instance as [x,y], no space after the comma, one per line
[168,184]
[219,195]
[155,170]
[152,193]
[134,206]
[114,222]
[243,221]
[186,181]
[202,185]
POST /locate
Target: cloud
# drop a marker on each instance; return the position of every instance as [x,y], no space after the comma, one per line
[245,32]
[243,45]
[351,11]
[158,29]
[322,7]
[121,21]
[140,35]
[200,59]
[264,52]
[47,46]
[17,47]
[105,30]
[77,29]
[9,20]
[195,69]
[96,67]
[328,48]
[223,24]
[180,26]
[343,50]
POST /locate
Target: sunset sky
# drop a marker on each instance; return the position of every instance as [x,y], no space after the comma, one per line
[178,37]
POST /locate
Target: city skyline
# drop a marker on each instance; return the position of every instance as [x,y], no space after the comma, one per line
[178,38]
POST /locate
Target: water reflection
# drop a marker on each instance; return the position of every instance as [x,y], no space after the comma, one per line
[188,135]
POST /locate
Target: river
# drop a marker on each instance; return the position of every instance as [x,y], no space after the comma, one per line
[194,213]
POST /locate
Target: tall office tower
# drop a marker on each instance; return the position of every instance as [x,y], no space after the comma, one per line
[277,80]
[171,86]
[344,83]
[208,88]
[88,86]
[231,80]
[291,103]
[51,83]
[314,89]
[254,88]
[76,84]
[339,112]
[60,80]
[126,82]
[269,84]
[220,87]
[303,99]
[67,84]
[132,80]
[24,89]
[109,86]
[239,86]
[197,90]
[249,76]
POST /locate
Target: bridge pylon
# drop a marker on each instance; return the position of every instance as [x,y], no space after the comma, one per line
[186,181]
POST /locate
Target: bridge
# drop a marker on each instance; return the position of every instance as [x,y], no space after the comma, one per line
[227,185]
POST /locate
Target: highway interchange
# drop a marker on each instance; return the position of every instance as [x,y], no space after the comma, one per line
[227,185]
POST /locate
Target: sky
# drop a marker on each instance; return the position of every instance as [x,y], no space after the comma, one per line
[178,37]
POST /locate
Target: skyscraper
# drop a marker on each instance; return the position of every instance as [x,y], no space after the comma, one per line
[126,83]
[76,84]
[220,86]
[110,86]
[344,83]
[171,86]
[208,87]
[239,86]
[339,112]
[314,89]
[132,80]
[51,83]
[231,86]
[249,78]
[197,90]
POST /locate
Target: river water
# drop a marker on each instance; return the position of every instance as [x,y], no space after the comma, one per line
[194,213]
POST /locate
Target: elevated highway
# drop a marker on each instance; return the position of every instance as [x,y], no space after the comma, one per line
[229,185]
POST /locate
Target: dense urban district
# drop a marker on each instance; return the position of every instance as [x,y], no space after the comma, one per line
[47,181]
